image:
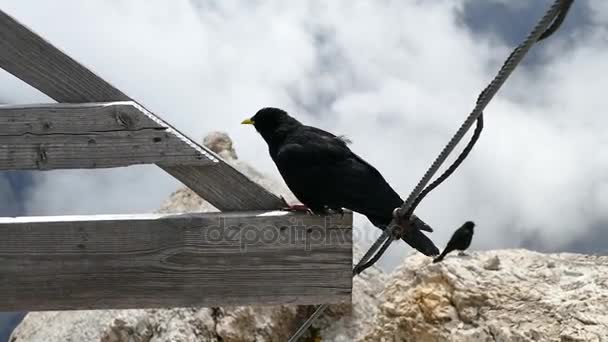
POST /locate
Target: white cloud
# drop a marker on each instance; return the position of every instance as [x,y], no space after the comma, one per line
[599,12]
[397,77]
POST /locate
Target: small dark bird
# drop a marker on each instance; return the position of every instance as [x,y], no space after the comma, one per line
[460,240]
[325,175]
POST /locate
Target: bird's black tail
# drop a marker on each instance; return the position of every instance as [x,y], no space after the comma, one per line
[416,239]
[419,224]
[441,256]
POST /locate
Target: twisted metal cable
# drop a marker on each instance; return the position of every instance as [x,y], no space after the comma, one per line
[560,6]
[548,24]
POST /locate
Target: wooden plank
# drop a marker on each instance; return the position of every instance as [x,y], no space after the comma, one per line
[38,63]
[147,261]
[90,135]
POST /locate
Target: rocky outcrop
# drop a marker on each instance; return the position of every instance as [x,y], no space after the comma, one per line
[508,295]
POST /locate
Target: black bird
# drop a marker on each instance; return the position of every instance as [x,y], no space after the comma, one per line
[324,174]
[460,240]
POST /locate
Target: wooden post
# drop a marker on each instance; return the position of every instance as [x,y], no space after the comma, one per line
[90,135]
[158,260]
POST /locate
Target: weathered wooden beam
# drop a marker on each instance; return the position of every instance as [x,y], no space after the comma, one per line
[90,135]
[35,61]
[146,261]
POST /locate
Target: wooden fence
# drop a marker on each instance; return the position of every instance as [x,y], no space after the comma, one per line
[250,253]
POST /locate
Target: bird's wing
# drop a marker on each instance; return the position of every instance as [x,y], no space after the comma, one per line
[348,180]
[364,189]
[312,146]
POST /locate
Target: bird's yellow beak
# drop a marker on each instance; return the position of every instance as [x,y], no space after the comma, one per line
[247,122]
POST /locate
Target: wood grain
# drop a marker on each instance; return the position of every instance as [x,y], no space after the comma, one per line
[146,261]
[35,61]
[91,135]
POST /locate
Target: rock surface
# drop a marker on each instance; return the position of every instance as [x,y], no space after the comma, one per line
[508,295]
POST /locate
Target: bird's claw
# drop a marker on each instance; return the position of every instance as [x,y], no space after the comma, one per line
[399,231]
[300,208]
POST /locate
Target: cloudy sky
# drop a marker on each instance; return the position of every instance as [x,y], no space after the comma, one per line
[396,77]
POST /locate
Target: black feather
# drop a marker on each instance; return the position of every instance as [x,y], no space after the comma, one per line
[460,240]
[323,173]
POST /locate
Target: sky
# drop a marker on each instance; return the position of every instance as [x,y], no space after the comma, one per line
[396,77]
